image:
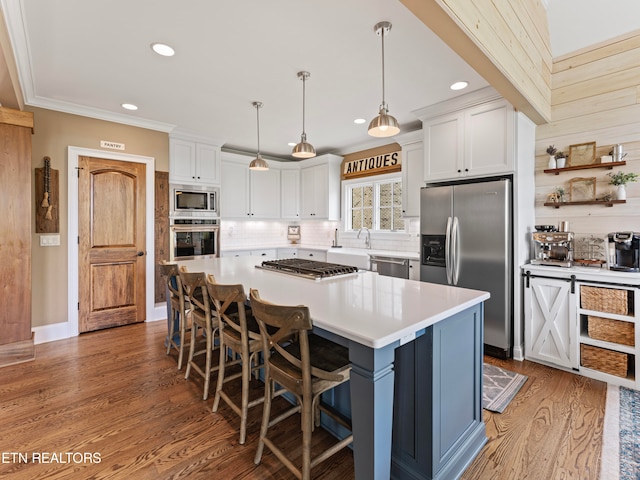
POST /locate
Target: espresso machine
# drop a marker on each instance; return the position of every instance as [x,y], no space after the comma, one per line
[623,251]
[553,248]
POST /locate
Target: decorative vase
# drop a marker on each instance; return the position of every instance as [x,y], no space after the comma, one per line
[621,193]
[552,162]
[561,162]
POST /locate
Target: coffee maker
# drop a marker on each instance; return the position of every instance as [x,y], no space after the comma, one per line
[553,248]
[623,251]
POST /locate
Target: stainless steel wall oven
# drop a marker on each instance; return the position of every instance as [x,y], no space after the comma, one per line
[193,238]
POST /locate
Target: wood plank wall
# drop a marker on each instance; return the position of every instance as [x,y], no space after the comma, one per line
[595,98]
[506,42]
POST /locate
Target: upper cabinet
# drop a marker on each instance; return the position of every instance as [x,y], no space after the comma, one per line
[246,193]
[320,187]
[476,139]
[412,171]
[193,162]
[290,193]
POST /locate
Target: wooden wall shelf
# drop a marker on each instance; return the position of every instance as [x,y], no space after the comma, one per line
[609,203]
[609,166]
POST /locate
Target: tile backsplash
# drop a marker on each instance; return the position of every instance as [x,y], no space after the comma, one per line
[258,234]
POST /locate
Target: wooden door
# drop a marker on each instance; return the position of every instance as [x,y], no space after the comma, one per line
[111,248]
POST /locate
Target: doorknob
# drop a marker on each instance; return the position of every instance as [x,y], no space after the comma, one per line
[140,254]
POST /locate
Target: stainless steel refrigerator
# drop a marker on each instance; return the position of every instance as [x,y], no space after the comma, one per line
[466,241]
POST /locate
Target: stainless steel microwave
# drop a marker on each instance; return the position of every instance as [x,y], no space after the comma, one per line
[195,201]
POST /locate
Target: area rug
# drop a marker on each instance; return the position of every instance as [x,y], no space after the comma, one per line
[499,387]
[621,435]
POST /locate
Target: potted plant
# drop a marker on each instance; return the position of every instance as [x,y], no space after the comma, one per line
[561,159]
[551,150]
[620,180]
[560,192]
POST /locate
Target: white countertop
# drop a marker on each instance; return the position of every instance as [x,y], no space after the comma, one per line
[585,273]
[365,307]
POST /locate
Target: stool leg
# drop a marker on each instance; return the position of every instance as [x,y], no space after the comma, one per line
[192,348]
[223,363]
[183,335]
[266,413]
[207,374]
[307,429]
[246,375]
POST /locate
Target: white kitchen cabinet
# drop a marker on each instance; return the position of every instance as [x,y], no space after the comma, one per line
[193,163]
[550,321]
[412,171]
[475,141]
[414,270]
[319,255]
[585,321]
[270,253]
[287,252]
[246,193]
[235,253]
[290,193]
[320,188]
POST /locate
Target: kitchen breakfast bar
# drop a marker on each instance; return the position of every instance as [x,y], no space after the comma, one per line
[415,394]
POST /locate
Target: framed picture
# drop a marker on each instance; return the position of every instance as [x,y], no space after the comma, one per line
[582,189]
[582,154]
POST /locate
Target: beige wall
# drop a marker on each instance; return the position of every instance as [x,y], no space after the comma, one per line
[53,133]
[595,98]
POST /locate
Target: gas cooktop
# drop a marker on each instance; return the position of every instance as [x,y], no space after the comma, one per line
[307,268]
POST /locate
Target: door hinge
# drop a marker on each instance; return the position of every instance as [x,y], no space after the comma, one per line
[78,239]
[78,306]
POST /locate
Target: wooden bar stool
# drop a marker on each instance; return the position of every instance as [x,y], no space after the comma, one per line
[179,309]
[201,317]
[239,333]
[305,365]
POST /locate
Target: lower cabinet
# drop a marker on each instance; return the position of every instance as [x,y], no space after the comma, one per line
[319,255]
[550,333]
[586,323]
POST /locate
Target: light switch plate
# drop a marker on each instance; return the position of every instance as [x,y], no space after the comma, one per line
[49,240]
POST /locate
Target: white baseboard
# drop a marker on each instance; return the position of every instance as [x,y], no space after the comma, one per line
[60,331]
[51,333]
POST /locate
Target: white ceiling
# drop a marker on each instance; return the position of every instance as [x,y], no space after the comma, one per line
[89,57]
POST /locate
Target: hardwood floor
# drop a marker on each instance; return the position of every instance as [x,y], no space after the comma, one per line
[112,405]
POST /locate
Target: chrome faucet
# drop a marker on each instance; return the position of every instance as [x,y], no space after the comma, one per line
[367,239]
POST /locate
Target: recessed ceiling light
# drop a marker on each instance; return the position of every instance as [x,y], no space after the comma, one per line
[359,121]
[459,85]
[163,49]
[129,106]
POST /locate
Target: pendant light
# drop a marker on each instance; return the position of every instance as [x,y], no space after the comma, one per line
[384,125]
[303,149]
[258,163]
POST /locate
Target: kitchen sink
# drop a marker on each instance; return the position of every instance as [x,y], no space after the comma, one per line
[350,256]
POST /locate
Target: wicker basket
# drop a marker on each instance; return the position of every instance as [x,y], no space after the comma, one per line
[609,300]
[603,360]
[609,330]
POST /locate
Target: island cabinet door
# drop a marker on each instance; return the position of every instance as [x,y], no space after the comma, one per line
[550,321]
[437,422]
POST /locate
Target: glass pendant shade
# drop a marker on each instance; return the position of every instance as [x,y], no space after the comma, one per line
[258,163]
[303,149]
[384,125]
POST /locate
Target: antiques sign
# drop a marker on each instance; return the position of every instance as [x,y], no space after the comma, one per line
[373,165]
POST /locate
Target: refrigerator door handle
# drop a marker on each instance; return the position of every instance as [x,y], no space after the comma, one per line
[455,252]
[447,251]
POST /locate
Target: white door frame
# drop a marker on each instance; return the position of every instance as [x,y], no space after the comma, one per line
[73,155]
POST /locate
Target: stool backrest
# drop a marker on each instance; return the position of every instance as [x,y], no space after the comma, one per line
[228,301]
[196,289]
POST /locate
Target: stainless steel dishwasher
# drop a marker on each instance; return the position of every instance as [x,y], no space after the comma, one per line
[390,266]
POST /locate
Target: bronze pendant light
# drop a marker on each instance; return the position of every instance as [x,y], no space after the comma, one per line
[258,163]
[303,149]
[384,125]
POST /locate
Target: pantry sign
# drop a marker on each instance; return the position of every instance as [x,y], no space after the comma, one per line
[372,164]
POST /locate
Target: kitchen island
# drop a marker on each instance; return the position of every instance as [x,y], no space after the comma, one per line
[416,350]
